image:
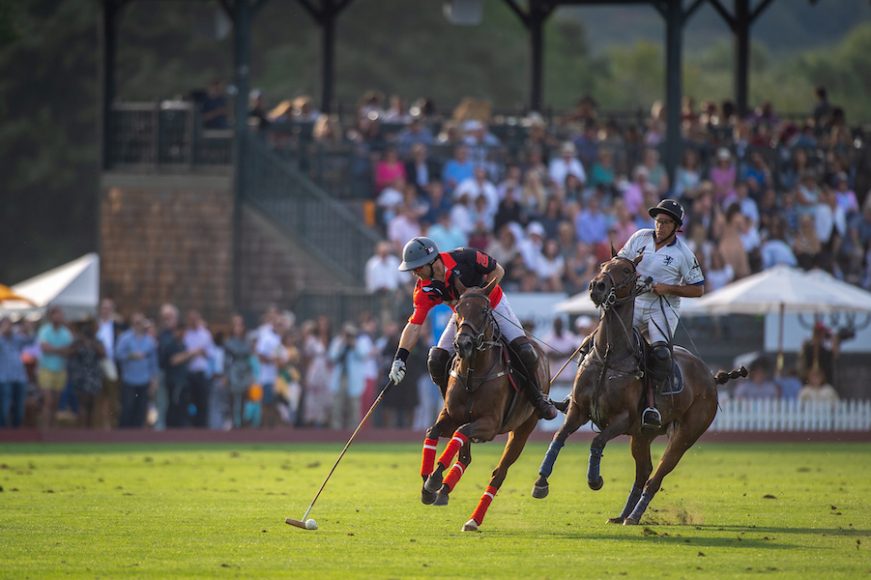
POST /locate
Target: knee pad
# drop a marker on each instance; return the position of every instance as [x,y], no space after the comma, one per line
[437,364]
[660,360]
[526,352]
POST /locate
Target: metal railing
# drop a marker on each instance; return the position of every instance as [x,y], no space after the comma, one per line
[325,227]
[164,134]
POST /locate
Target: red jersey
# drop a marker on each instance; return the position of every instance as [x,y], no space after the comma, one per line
[469,266]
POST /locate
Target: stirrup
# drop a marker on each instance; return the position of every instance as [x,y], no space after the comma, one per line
[651,419]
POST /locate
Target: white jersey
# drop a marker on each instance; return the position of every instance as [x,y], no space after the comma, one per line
[672,264]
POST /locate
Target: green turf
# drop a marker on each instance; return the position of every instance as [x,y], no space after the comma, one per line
[218,511]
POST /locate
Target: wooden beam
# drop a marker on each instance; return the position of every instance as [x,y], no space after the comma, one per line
[756,12]
[692,9]
[730,20]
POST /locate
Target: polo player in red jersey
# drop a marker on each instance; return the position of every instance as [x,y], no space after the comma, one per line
[442,277]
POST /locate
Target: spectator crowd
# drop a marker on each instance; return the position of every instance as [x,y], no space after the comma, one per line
[547,199]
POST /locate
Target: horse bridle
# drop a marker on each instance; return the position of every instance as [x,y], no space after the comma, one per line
[612,299]
[478,341]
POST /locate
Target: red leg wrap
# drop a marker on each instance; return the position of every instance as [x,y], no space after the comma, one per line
[454,475]
[454,445]
[428,458]
[483,504]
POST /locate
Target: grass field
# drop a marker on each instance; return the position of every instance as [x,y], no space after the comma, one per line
[789,510]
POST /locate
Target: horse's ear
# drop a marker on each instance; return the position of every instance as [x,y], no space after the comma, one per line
[638,259]
[458,285]
[613,251]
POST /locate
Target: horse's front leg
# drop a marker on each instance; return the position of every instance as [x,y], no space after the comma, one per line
[617,425]
[454,474]
[573,421]
[441,428]
[513,448]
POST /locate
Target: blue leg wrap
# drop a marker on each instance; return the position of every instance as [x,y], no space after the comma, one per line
[641,506]
[595,461]
[631,501]
[550,457]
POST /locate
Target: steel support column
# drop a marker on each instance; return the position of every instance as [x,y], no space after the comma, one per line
[108,88]
[241,72]
[537,19]
[674,20]
[329,14]
[742,54]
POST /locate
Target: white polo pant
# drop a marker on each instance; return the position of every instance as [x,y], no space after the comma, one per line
[656,319]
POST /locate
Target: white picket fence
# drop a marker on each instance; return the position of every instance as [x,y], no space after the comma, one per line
[790,415]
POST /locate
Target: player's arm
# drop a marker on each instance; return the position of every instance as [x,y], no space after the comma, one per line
[407,340]
[684,291]
[493,278]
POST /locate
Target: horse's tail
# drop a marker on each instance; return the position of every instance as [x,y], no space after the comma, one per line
[723,377]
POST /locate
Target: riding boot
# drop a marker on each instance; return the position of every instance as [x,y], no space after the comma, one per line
[659,370]
[529,357]
[437,363]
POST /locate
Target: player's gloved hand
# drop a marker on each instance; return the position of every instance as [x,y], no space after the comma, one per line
[397,371]
[436,290]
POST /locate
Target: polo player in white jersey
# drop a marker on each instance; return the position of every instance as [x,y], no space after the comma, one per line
[676,273]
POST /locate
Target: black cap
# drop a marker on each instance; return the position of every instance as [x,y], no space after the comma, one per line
[670,208]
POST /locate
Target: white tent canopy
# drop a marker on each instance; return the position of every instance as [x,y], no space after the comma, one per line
[74,286]
[787,290]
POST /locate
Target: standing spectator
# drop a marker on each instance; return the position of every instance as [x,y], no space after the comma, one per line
[172,361]
[565,164]
[137,358]
[271,354]
[13,377]
[657,175]
[316,403]
[403,226]
[198,346]
[237,367]
[591,225]
[479,186]
[822,110]
[602,173]
[551,267]
[54,340]
[415,134]
[821,351]
[85,372]
[846,197]
[446,234]
[806,245]
[731,246]
[688,176]
[719,274]
[775,250]
[109,330]
[349,357]
[635,190]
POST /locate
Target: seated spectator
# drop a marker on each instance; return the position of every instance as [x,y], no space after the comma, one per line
[479,186]
[552,217]
[623,226]
[634,191]
[382,270]
[846,197]
[416,133]
[807,193]
[758,170]
[390,200]
[806,246]
[421,170]
[457,169]
[566,163]
[602,172]
[591,224]
[775,250]
[502,248]
[757,385]
[461,214]
[535,194]
[509,210]
[731,246]
[551,267]
[722,176]
[436,202]
[817,390]
[581,267]
[656,173]
[688,175]
[327,131]
[720,274]
[480,236]
[404,226]
[389,169]
[531,247]
[481,214]
[789,384]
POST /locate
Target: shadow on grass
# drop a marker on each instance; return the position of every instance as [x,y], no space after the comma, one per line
[647,535]
[846,531]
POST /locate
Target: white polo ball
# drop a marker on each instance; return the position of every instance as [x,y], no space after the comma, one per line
[310,524]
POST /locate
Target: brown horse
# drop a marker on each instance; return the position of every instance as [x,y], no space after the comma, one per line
[608,390]
[480,403]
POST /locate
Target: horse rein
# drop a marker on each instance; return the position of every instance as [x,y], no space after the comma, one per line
[478,341]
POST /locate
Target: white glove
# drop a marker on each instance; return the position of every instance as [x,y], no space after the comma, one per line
[397,371]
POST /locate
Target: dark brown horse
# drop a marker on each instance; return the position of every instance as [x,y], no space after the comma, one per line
[608,391]
[480,403]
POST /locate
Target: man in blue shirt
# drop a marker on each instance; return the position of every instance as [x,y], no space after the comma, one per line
[137,356]
[13,377]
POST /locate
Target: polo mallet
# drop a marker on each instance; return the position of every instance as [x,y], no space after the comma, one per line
[302,522]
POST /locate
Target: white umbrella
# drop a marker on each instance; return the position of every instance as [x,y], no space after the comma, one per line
[786,290]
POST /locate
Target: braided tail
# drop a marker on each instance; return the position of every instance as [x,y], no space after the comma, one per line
[723,377]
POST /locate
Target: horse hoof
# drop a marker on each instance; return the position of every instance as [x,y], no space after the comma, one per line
[540,491]
[630,522]
[441,499]
[433,483]
[427,497]
[470,526]
[615,520]
[596,485]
